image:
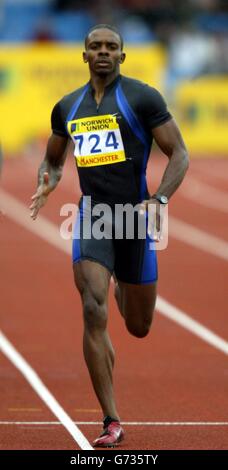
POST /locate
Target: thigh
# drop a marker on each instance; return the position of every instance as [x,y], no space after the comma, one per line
[138,301]
[85,244]
[136,261]
[92,280]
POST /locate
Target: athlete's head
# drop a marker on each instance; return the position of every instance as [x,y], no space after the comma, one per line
[103,49]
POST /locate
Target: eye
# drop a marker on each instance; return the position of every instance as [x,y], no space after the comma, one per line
[93,46]
[113,46]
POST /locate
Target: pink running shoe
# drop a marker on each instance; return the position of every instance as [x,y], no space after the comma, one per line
[112,435]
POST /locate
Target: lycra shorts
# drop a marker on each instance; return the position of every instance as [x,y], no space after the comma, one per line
[99,238]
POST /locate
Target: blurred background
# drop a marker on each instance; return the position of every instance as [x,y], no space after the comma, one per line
[179,47]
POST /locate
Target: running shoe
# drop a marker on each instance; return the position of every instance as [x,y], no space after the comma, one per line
[113,434]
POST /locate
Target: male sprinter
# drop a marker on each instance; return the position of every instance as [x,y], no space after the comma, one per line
[112,121]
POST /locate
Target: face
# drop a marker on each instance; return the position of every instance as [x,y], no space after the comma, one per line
[103,52]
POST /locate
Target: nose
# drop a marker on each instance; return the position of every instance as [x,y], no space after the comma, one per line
[103,50]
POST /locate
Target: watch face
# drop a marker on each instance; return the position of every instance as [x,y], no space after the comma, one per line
[164,199]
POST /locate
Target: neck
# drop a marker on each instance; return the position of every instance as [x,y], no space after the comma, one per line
[99,83]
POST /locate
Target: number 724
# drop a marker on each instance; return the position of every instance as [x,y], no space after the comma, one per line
[96,143]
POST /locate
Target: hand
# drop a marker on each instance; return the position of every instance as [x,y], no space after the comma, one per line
[155,217]
[40,197]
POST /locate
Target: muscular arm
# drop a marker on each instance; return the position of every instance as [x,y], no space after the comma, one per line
[170,141]
[50,171]
[54,160]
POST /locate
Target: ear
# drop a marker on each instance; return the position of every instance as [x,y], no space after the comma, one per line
[85,58]
[122,58]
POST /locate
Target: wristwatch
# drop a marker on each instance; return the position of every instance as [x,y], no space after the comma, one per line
[160,197]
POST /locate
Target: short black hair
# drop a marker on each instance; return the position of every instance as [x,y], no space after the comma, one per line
[104,26]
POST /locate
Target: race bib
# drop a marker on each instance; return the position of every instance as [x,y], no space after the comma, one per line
[97,140]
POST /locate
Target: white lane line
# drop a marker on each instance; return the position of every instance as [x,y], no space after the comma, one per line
[204,194]
[44,229]
[50,233]
[31,376]
[193,236]
[184,320]
[125,423]
[212,171]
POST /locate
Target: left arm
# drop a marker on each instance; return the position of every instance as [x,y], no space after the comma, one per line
[170,141]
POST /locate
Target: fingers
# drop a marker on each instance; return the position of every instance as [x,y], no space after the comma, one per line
[37,203]
[152,209]
[40,197]
[41,191]
[34,213]
[154,221]
[158,219]
[35,196]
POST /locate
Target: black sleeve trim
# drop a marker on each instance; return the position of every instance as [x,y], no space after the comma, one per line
[163,120]
[56,132]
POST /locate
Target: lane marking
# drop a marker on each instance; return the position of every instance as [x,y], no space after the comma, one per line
[19,213]
[124,423]
[50,233]
[184,320]
[179,230]
[84,410]
[31,376]
[204,194]
[196,237]
[182,231]
[213,172]
[25,409]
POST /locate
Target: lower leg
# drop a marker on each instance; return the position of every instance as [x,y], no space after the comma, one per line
[99,357]
[92,281]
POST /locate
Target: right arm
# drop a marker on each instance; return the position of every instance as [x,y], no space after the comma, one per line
[50,172]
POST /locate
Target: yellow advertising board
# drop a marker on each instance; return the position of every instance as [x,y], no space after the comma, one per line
[201,107]
[34,77]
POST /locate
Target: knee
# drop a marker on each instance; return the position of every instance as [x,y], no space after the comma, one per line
[139,330]
[95,313]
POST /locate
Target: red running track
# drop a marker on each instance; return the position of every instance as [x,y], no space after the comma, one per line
[170,376]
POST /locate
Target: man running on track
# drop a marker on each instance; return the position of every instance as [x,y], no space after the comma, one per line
[112,121]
